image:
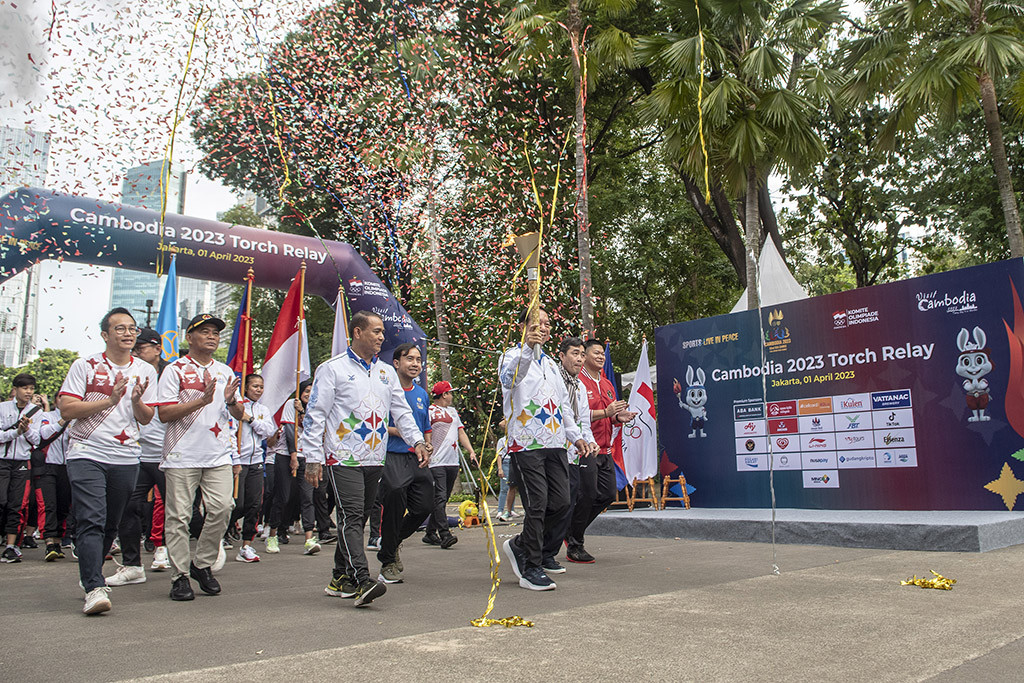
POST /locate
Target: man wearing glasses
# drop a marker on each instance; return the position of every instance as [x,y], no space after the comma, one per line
[108,395]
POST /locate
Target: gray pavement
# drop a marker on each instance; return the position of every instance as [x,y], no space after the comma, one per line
[650,609]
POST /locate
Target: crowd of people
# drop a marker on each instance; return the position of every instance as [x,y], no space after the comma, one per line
[141,452]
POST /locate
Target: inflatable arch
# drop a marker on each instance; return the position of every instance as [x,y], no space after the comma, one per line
[37,225]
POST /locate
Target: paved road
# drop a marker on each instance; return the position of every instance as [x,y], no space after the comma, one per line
[650,609]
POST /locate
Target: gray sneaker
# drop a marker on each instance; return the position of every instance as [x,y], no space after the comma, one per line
[398,559]
[390,573]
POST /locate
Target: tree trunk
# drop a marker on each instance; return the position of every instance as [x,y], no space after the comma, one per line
[1000,166]
[753,239]
[435,269]
[768,218]
[720,222]
[582,204]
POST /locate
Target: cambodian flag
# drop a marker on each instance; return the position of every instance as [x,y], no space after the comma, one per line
[240,351]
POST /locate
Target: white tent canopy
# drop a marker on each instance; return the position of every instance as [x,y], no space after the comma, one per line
[777,284]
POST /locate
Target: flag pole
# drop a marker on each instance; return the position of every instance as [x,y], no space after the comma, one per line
[246,337]
[343,306]
[298,350]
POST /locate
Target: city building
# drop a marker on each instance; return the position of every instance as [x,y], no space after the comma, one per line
[24,157]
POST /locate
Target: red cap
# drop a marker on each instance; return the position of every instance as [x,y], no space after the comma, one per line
[441,388]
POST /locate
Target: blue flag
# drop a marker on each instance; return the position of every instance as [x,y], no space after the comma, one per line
[608,370]
[167,321]
[241,335]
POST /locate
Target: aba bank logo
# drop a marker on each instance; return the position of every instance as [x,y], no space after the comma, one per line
[854,438]
[900,398]
[751,461]
[817,443]
[889,438]
[957,303]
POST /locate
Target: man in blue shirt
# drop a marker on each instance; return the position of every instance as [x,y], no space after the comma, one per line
[406,487]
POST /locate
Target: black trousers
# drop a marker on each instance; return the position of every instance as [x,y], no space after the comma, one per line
[52,482]
[407,494]
[249,500]
[32,509]
[597,491]
[543,478]
[14,477]
[282,493]
[553,541]
[269,477]
[355,489]
[323,501]
[130,528]
[444,480]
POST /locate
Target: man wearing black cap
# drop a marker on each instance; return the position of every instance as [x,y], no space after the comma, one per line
[196,398]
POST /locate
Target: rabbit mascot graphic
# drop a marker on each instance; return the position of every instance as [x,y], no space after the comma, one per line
[973,364]
[696,397]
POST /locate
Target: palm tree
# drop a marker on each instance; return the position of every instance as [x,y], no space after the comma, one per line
[760,86]
[934,58]
[553,27]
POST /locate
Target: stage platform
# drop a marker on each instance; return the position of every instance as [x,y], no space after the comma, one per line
[956,531]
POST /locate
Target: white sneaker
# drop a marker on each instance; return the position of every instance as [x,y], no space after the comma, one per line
[265,534]
[124,576]
[161,562]
[222,557]
[247,554]
[312,547]
[502,517]
[97,601]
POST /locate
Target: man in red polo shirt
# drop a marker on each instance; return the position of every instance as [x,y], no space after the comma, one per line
[597,473]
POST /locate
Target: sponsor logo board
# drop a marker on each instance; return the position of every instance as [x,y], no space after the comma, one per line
[819,461]
[849,460]
[851,403]
[752,463]
[896,418]
[852,422]
[817,442]
[890,399]
[783,426]
[814,406]
[821,479]
[813,424]
[854,441]
[896,457]
[782,409]
[786,461]
[751,444]
[747,411]
[894,438]
[750,428]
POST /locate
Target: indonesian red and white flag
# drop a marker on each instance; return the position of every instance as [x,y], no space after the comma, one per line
[287,352]
[640,436]
[340,340]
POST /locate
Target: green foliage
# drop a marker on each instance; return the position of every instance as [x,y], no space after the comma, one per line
[49,369]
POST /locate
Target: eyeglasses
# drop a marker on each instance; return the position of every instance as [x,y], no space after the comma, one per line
[122,329]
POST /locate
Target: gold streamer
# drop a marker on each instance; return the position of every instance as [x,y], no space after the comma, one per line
[165,168]
[700,105]
[940,582]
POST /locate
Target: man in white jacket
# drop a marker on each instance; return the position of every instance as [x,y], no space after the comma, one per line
[540,424]
[346,427]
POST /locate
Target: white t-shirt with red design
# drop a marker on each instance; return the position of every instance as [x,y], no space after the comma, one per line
[205,437]
[444,430]
[110,436]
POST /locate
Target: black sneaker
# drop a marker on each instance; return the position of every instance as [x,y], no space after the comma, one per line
[282,539]
[29,543]
[149,545]
[515,558]
[368,591]
[578,555]
[449,540]
[551,566]
[431,538]
[328,537]
[181,589]
[10,555]
[535,579]
[204,577]
[53,552]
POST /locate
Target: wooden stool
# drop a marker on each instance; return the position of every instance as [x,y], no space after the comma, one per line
[668,481]
[643,492]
